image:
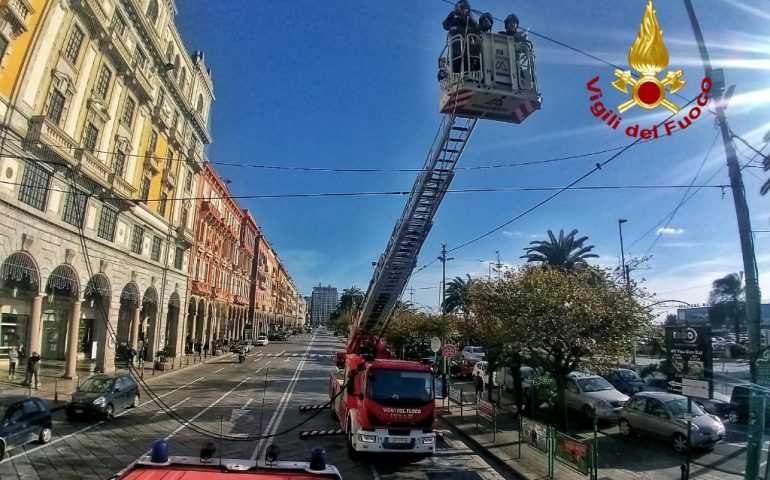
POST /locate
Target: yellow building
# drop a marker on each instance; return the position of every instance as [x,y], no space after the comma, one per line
[104,118]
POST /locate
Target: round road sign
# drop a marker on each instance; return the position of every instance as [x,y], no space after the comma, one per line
[450,350]
[435,344]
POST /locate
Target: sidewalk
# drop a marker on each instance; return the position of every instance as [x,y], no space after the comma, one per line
[527,463]
[56,390]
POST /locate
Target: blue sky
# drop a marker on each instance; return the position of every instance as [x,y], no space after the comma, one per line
[352,84]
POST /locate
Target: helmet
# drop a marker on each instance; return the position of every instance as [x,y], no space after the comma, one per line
[462,8]
[486,21]
[511,23]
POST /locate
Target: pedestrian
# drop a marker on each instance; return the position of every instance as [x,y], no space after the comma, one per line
[478,382]
[33,370]
[460,22]
[13,358]
[206,349]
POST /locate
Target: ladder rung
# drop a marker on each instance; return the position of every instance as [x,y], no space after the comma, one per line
[460,129]
[460,140]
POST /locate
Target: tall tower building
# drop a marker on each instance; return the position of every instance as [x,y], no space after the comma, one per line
[322,302]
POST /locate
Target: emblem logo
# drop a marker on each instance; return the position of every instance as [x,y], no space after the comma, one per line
[648,56]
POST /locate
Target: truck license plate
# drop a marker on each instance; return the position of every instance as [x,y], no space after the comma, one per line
[399,440]
[78,411]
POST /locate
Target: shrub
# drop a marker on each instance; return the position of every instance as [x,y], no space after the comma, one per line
[738,351]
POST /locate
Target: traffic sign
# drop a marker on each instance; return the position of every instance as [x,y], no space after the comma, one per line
[450,350]
[435,344]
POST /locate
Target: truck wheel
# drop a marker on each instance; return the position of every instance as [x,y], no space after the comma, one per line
[352,453]
[334,414]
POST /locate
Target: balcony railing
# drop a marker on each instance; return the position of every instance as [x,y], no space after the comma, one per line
[169,178]
[97,169]
[151,162]
[201,287]
[141,79]
[186,234]
[122,187]
[48,134]
[240,299]
[95,12]
[16,11]
[162,115]
[120,49]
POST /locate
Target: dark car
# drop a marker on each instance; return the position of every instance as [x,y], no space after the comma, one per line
[24,420]
[102,395]
[738,408]
[625,380]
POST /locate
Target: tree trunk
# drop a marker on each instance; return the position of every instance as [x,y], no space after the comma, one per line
[518,394]
[561,403]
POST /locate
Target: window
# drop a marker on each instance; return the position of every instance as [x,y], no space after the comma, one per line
[153,141]
[155,251]
[118,24]
[169,158]
[137,240]
[163,204]
[152,11]
[188,180]
[75,208]
[140,59]
[34,186]
[199,107]
[120,163]
[185,215]
[89,140]
[144,192]
[3,45]
[169,52]
[197,269]
[178,255]
[72,49]
[107,223]
[55,106]
[128,112]
[103,82]
[183,78]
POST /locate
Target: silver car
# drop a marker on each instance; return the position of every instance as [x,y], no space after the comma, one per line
[591,393]
[663,415]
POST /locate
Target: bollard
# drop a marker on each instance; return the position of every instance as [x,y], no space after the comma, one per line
[56,390]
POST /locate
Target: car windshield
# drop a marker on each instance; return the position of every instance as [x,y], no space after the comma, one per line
[629,375]
[262,338]
[475,350]
[96,385]
[594,384]
[678,408]
[398,387]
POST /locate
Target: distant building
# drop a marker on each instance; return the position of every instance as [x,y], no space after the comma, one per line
[307,299]
[699,316]
[322,304]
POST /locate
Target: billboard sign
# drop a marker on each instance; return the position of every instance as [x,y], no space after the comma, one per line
[689,356]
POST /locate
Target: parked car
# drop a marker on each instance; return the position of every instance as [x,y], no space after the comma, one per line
[656,384]
[586,392]
[103,395]
[480,368]
[461,369]
[662,415]
[625,380]
[24,420]
[262,341]
[472,353]
[738,408]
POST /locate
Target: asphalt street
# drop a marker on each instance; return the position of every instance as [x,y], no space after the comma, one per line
[260,397]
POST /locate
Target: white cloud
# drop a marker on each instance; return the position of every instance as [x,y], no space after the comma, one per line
[514,234]
[670,231]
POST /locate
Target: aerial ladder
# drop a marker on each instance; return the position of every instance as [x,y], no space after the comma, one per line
[387,404]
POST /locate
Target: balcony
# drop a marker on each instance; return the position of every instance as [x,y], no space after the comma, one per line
[207,208]
[201,288]
[119,49]
[169,178]
[151,162]
[196,157]
[162,114]
[142,81]
[95,13]
[185,234]
[121,187]
[95,168]
[241,300]
[16,13]
[47,134]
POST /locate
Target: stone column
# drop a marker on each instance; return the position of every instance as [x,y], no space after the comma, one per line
[33,334]
[135,322]
[72,341]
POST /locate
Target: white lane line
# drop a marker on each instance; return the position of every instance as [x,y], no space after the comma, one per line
[287,359]
[85,429]
[217,371]
[248,402]
[375,474]
[268,362]
[172,407]
[283,404]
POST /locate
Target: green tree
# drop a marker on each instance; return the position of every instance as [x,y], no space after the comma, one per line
[410,328]
[458,295]
[564,252]
[347,308]
[670,320]
[559,320]
[727,301]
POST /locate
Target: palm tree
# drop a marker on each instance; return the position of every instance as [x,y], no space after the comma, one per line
[351,299]
[727,300]
[564,252]
[457,295]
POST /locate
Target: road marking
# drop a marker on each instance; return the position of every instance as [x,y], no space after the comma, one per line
[172,407]
[217,371]
[85,429]
[287,359]
[268,362]
[374,473]
[283,404]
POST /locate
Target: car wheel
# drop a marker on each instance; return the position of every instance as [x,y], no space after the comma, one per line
[588,412]
[135,403]
[733,416]
[679,442]
[352,453]
[109,412]
[624,427]
[334,414]
[2,450]
[45,435]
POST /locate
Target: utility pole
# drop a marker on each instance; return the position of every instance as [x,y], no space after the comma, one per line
[498,265]
[443,258]
[757,399]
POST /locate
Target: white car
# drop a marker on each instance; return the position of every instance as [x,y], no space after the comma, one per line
[472,353]
[262,341]
[586,392]
[481,369]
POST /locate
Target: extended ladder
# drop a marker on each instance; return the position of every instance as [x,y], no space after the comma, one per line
[395,265]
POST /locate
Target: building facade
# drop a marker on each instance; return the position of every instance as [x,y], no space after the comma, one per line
[698,316]
[322,303]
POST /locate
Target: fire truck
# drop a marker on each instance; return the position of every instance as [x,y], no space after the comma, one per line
[385,404]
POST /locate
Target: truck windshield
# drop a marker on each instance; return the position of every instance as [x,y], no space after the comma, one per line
[398,387]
